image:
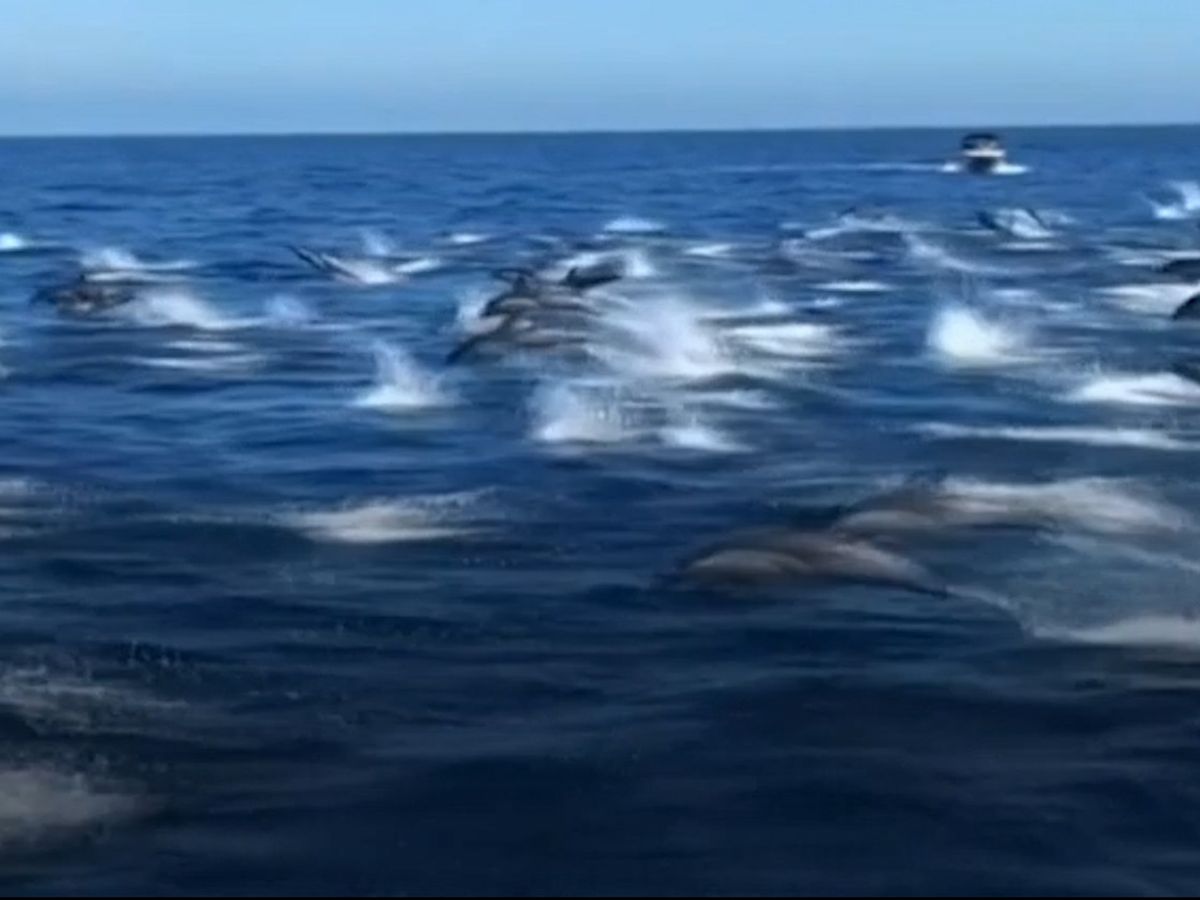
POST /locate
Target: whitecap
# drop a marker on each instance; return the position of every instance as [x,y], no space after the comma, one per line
[666,338]
[963,337]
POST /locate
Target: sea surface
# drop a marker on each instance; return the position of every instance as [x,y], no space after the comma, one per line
[292,605]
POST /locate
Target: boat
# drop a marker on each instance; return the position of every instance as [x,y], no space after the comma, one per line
[982,153]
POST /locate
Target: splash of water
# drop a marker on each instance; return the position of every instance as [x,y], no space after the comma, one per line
[377,244]
[572,414]
[400,383]
[1186,206]
[367,272]
[962,337]
[289,312]
[11,243]
[666,338]
[1021,223]
[178,308]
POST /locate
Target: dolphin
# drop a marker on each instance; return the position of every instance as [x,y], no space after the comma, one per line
[84,296]
[600,273]
[328,264]
[1022,222]
[517,331]
[782,555]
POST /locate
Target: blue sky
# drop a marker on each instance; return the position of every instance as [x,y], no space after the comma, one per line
[115,66]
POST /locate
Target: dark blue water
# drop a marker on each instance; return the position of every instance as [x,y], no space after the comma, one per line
[292,606]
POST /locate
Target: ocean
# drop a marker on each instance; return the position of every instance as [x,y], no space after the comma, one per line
[293,604]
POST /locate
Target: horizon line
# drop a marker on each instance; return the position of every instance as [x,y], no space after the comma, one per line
[568,132]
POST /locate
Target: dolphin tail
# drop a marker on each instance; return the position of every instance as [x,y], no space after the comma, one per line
[311,258]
